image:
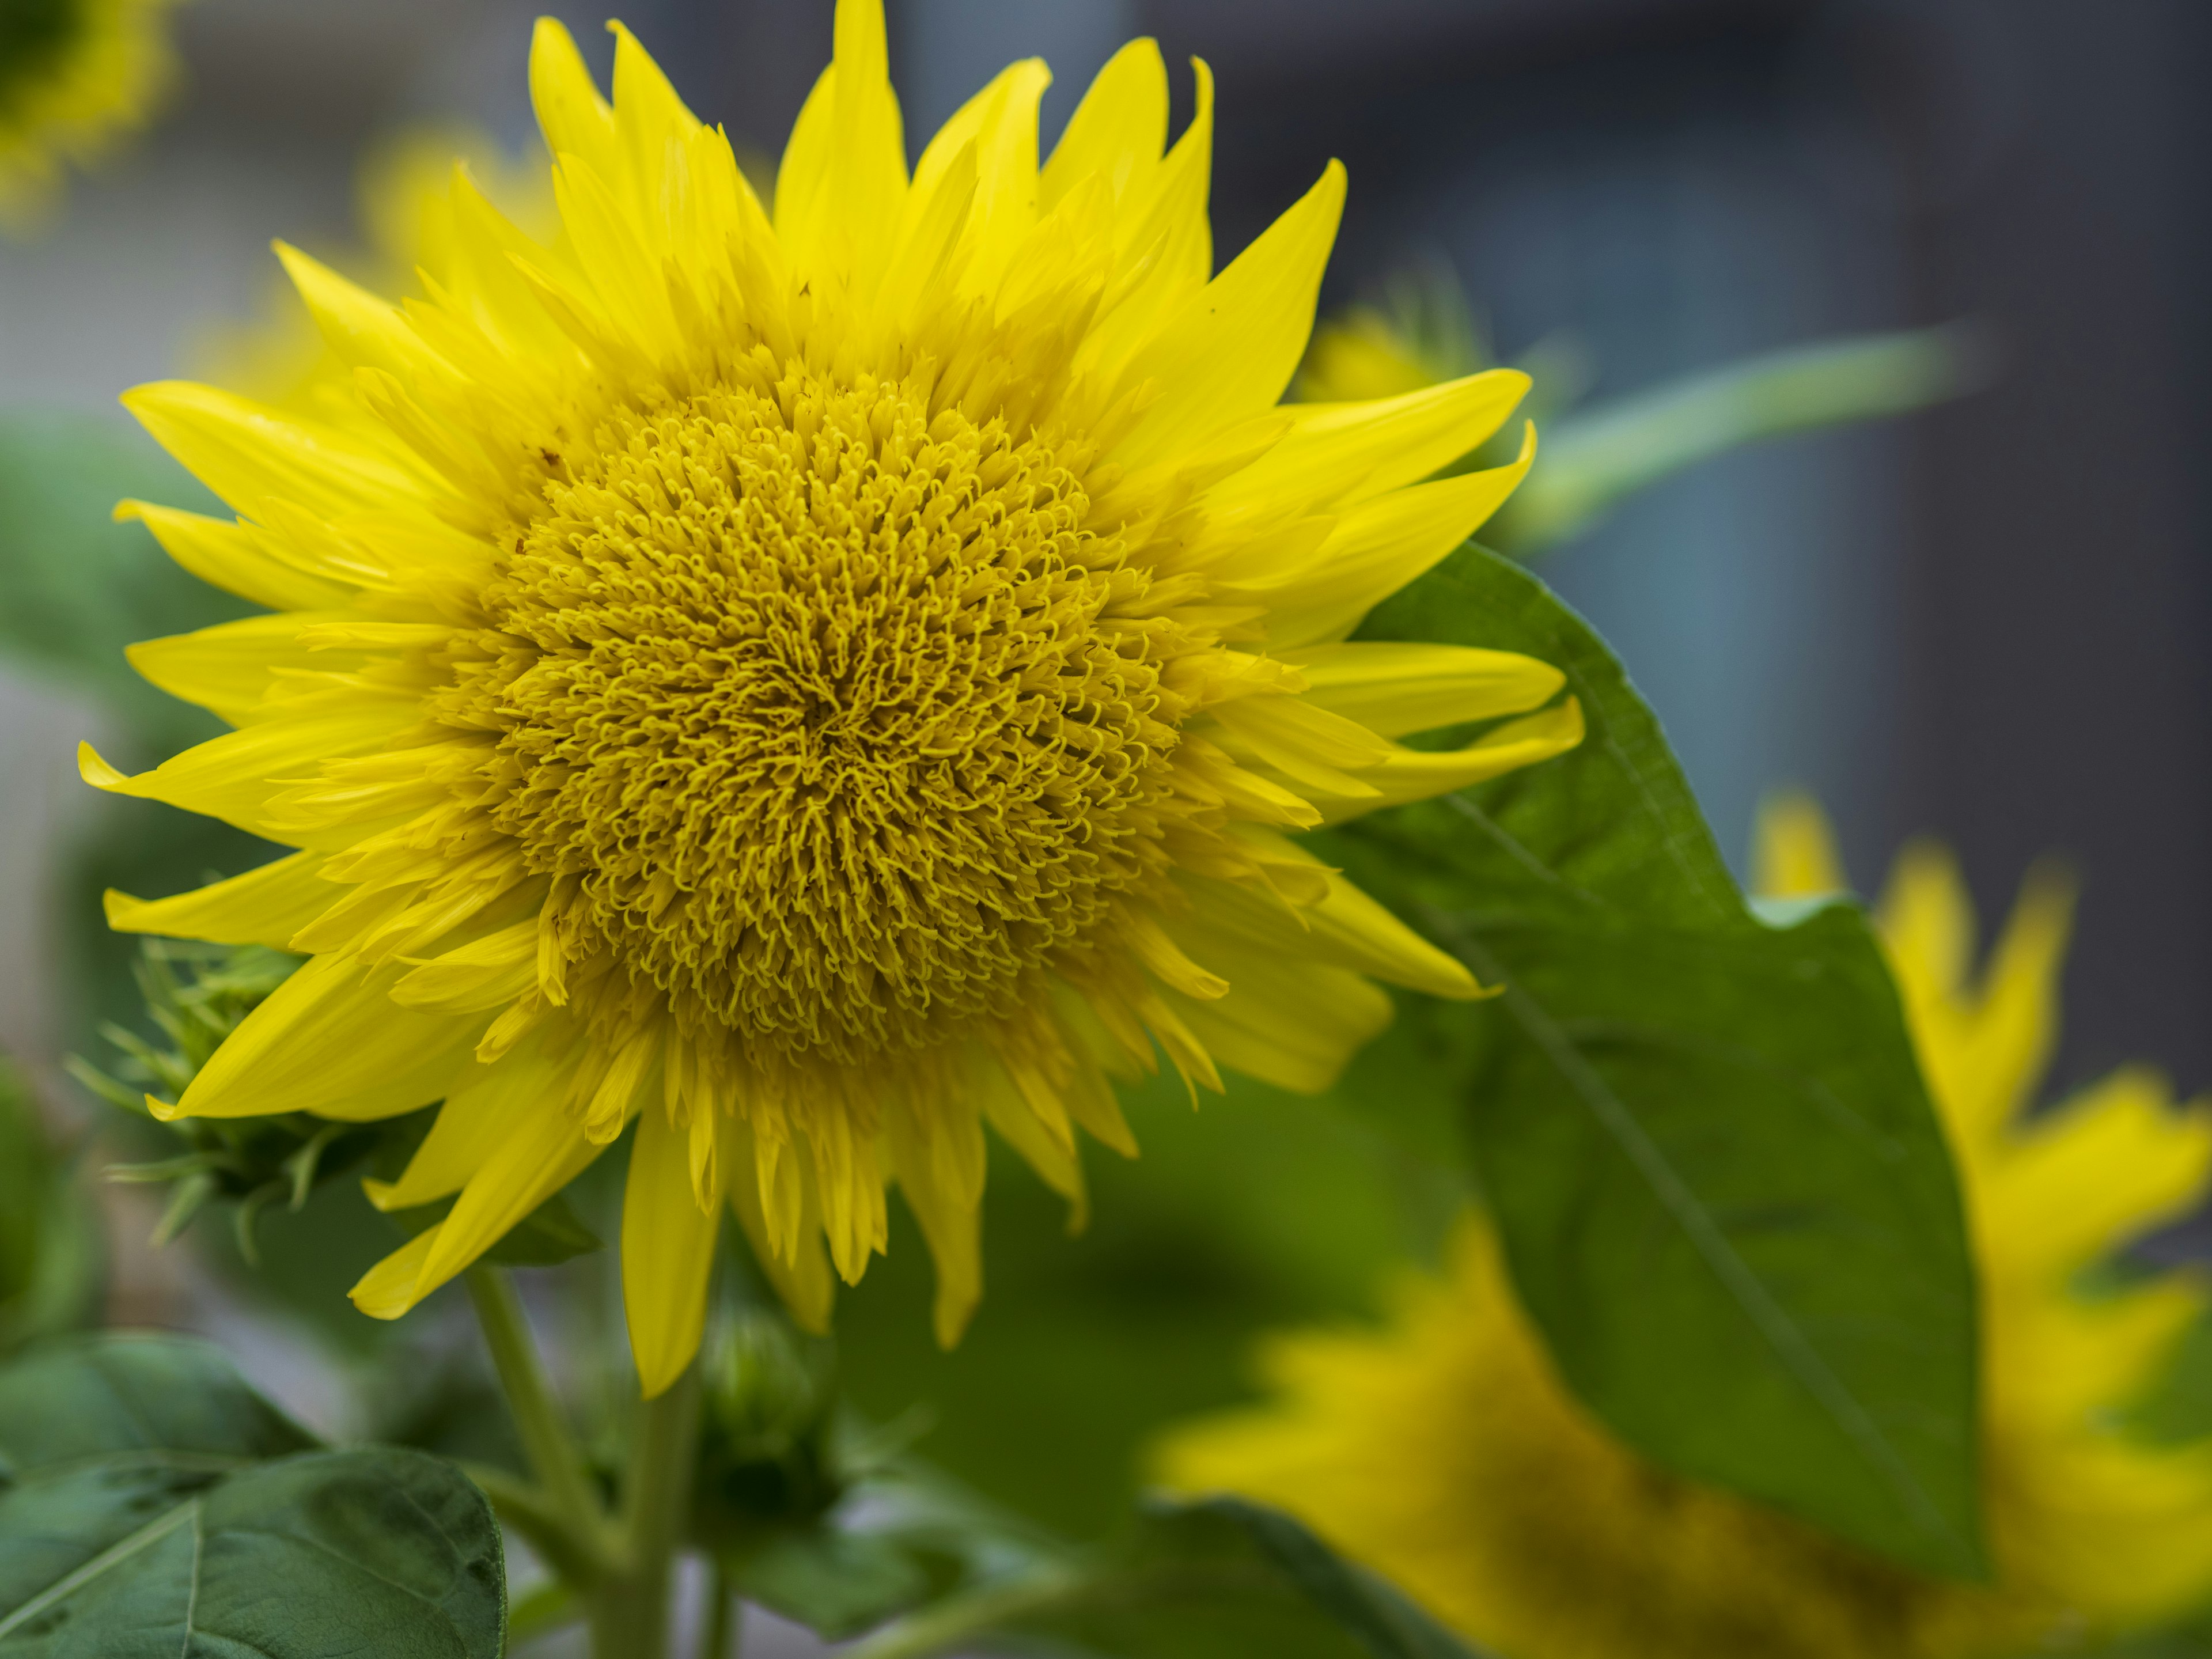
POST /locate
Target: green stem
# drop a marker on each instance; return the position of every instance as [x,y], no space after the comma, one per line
[721,1628]
[629,1613]
[569,1503]
[957,1622]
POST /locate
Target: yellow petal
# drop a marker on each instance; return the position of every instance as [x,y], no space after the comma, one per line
[947,1214]
[331,1040]
[1162,242]
[1376,549]
[2012,1026]
[233,776]
[362,329]
[1928,921]
[1345,928]
[230,667]
[840,191]
[652,125]
[387,1290]
[574,118]
[1344,454]
[1000,122]
[237,558]
[803,1279]
[1119,130]
[667,1251]
[1412,775]
[545,1150]
[1793,854]
[1230,352]
[1394,689]
[266,906]
[253,454]
[1052,1156]
[1293,1024]
[486,973]
[484,1108]
[2100,1171]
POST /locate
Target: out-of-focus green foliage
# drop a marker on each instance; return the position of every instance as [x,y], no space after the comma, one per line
[52,1257]
[76,588]
[1258,1210]
[1184,1582]
[1591,459]
[150,1501]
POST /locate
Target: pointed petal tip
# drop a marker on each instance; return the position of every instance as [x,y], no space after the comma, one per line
[97,772]
[164,1111]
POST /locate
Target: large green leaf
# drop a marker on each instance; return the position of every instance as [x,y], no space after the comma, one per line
[153,1505]
[1188,1581]
[1723,1194]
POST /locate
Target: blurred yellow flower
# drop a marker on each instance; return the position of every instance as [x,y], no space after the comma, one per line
[404,204]
[73,76]
[1444,1452]
[1422,333]
[809,685]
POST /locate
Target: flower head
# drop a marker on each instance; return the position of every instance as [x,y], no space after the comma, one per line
[811,685]
[74,74]
[1445,1452]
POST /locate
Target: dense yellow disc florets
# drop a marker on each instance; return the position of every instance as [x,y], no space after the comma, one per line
[840,720]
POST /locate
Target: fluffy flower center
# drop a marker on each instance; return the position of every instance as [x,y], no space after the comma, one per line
[827,713]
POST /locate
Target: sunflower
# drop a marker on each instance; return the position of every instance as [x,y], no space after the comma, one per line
[1445,1452]
[74,74]
[814,685]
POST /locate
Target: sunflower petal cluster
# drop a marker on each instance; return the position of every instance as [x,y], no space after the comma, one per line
[73,76]
[810,684]
[1444,1451]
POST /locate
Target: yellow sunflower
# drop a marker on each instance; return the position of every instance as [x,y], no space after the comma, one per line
[814,685]
[73,75]
[1445,1452]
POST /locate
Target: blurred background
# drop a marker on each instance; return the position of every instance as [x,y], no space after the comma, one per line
[1980,621]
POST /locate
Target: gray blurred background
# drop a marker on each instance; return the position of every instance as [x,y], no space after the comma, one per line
[1980,621]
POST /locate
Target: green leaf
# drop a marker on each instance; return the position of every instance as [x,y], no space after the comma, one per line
[53,1257]
[1188,1581]
[1723,1194]
[835,1583]
[134,1393]
[1593,458]
[153,1505]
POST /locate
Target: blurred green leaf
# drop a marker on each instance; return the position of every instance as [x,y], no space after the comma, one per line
[1188,1581]
[836,1584]
[1723,1194]
[1590,460]
[154,1505]
[76,589]
[53,1256]
[1259,1209]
